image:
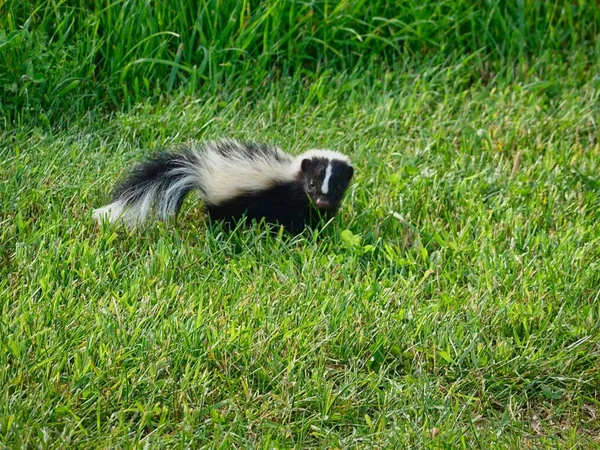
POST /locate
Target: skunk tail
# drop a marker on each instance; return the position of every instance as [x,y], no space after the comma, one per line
[160,184]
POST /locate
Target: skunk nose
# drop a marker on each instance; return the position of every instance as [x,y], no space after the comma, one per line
[322,203]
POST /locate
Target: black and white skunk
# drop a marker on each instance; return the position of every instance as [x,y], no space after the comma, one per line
[234,180]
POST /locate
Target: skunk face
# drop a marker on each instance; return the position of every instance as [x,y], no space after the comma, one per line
[325,181]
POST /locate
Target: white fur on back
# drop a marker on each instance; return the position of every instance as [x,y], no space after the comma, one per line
[223,177]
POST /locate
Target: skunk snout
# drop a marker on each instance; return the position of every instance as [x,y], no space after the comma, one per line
[323,203]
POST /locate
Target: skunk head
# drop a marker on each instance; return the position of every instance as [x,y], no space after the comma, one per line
[326,176]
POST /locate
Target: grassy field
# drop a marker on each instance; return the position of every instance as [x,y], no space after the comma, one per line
[454,302]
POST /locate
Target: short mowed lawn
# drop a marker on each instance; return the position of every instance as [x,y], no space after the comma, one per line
[453,302]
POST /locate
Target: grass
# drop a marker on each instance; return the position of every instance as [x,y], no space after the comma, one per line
[453,302]
[72,56]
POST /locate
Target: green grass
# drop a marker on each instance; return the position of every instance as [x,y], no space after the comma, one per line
[453,303]
[79,54]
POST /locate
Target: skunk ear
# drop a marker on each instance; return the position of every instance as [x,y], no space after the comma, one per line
[306,165]
[350,172]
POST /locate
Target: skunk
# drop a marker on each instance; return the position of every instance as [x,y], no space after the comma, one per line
[235,180]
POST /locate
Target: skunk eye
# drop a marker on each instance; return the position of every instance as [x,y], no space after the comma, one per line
[312,184]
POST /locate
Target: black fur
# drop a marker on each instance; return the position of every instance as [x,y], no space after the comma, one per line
[284,204]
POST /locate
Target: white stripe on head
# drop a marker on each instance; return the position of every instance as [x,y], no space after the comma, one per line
[325,187]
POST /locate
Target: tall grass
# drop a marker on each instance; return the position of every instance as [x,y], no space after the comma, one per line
[56,55]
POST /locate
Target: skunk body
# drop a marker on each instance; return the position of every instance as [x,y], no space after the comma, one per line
[234,180]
